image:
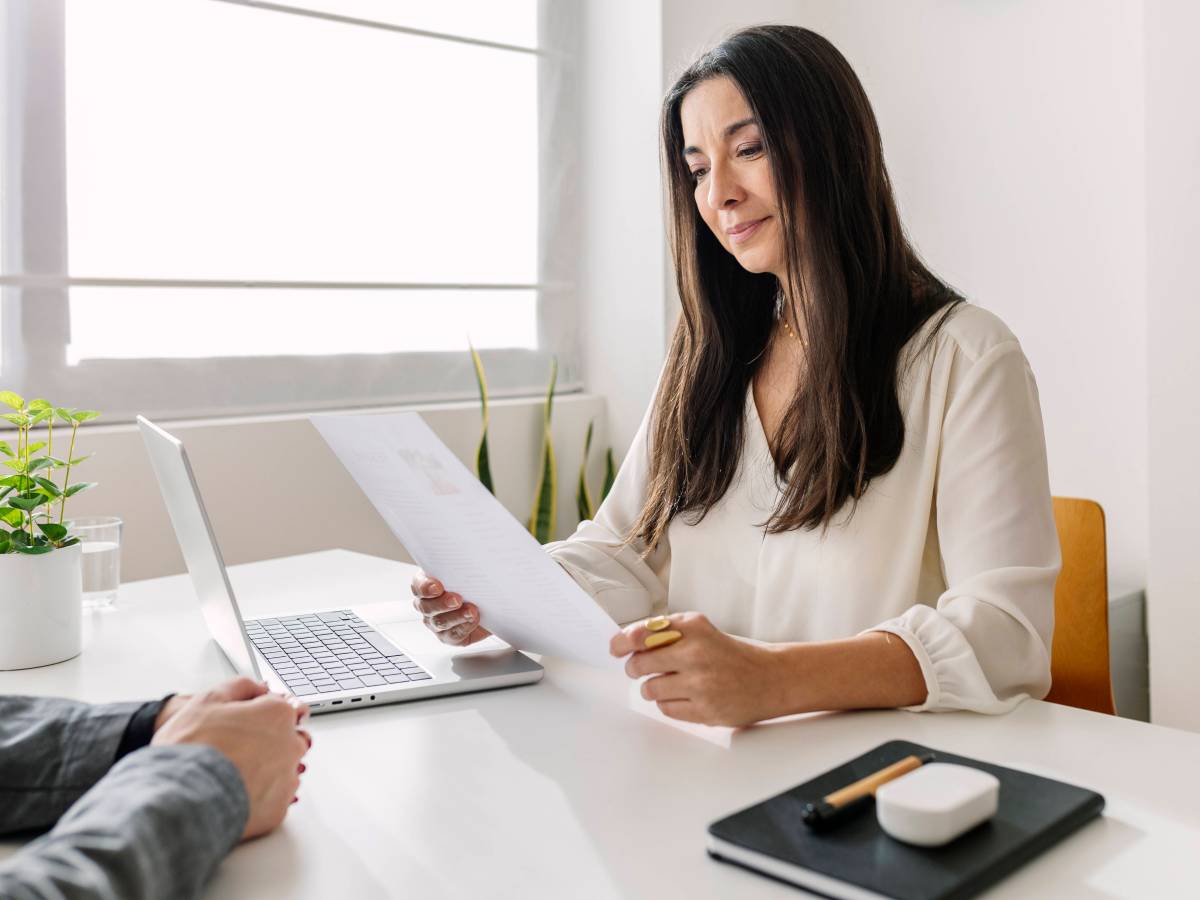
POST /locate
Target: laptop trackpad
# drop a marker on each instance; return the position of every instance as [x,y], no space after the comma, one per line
[486,659]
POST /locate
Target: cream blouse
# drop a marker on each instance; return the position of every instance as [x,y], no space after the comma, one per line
[954,550]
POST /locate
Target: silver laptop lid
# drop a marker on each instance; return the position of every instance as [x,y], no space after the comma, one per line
[199,546]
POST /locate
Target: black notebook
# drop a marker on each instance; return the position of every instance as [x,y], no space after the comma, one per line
[857,860]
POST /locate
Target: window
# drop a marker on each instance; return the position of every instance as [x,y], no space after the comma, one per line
[241,207]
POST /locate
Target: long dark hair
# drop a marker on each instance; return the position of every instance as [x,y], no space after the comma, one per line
[867,293]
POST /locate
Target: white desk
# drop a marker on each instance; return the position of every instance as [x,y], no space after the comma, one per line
[560,790]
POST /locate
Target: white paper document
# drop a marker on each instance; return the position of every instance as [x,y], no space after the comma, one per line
[460,534]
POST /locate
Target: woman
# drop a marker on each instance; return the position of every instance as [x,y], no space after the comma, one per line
[843,460]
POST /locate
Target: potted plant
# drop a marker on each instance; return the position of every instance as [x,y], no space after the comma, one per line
[544,515]
[40,561]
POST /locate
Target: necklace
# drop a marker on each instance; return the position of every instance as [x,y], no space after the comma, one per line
[782,317]
[792,334]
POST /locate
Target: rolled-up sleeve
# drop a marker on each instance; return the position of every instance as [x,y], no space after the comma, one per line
[626,583]
[985,645]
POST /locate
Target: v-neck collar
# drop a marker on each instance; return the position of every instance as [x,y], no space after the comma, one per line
[758,469]
[758,431]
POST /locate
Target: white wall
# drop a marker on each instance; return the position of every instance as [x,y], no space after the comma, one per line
[1173,224]
[1046,157]
[623,270]
[1031,144]
[273,488]
[1013,135]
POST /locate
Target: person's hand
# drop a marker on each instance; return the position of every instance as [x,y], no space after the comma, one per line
[706,676]
[229,691]
[257,731]
[454,620]
[172,706]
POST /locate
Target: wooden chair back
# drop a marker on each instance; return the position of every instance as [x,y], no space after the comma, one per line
[1079,664]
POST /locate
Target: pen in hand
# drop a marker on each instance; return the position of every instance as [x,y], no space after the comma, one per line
[835,807]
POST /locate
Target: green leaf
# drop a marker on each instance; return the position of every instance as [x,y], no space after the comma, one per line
[610,474]
[41,416]
[4,492]
[18,419]
[54,532]
[26,501]
[42,462]
[16,481]
[37,405]
[12,517]
[545,499]
[5,542]
[5,449]
[64,414]
[18,464]
[541,523]
[49,486]
[583,499]
[84,415]
[483,465]
[34,448]
[70,542]
[8,398]
[550,389]
[19,537]
[76,488]
[480,378]
[33,549]
[75,462]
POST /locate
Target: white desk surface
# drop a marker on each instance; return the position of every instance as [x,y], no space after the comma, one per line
[562,790]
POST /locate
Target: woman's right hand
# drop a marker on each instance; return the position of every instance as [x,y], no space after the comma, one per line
[446,614]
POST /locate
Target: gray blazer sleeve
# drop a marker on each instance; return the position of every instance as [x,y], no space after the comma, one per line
[156,826]
[51,752]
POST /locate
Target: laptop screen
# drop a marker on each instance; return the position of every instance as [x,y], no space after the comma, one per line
[199,546]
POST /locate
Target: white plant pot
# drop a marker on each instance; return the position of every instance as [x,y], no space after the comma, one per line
[41,602]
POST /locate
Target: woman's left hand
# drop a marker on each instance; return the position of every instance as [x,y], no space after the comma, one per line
[706,676]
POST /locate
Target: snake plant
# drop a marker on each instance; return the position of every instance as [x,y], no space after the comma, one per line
[544,514]
[545,499]
[483,468]
[583,494]
[583,497]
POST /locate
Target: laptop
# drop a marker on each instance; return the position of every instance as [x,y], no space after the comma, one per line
[333,659]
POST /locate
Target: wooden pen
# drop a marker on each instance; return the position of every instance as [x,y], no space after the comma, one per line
[833,808]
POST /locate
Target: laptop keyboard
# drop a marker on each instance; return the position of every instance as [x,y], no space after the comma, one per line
[331,651]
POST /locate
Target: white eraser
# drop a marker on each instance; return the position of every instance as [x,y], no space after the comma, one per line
[936,803]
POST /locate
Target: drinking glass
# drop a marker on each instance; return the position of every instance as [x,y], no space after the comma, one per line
[101,540]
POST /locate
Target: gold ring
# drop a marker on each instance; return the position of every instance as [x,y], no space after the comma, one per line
[658,623]
[662,639]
